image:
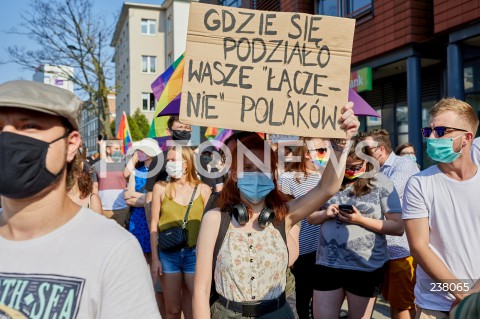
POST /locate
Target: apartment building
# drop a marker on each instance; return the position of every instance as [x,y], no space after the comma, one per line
[147,40]
[57,75]
[89,126]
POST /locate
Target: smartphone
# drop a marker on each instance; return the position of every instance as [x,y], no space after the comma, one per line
[346,208]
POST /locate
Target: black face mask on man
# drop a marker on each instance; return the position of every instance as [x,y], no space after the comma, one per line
[23,171]
[180,135]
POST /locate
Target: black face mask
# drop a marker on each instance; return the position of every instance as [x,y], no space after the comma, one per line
[178,135]
[23,171]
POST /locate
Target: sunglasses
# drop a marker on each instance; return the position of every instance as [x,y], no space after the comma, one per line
[321,150]
[439,130]
[354,167]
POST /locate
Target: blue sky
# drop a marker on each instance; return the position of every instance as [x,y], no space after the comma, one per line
[10,17]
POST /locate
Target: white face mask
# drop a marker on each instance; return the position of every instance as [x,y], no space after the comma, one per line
[175,169]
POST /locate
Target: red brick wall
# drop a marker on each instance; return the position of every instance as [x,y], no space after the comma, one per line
[305,6]
[449,14]
[395,23]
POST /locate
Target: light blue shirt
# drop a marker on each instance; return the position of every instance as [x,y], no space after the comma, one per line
[398,169]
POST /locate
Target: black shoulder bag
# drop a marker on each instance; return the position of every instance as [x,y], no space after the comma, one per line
[174,239]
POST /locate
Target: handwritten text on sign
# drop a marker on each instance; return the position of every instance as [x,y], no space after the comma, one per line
[272,72]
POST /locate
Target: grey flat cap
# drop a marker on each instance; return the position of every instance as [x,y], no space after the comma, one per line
[41,97]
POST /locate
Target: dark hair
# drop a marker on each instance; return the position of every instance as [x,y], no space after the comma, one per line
[361,186]
[239,136]
[380,136]
[72,166]
[400,148]
[230,194]
[171,120]
[85,183]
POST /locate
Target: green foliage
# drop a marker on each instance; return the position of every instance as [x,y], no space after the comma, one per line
[112,128]
[139,125]
[142,122]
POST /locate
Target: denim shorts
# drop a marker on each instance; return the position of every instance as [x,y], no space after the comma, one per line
[180,261]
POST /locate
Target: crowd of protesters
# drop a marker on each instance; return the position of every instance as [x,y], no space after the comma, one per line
[349,218]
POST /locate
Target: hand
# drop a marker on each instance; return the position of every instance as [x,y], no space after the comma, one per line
[353,218]
[127,194]
[348,121]
[135,157]
[331,211]
[156,270]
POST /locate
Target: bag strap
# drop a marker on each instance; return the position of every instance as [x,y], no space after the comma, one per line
[185,219]
[226,218]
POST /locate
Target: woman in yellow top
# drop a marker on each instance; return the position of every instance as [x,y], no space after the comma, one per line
[169,205]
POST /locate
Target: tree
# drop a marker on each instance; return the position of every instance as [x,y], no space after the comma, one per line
[138,125]
[142,122]
[70,34]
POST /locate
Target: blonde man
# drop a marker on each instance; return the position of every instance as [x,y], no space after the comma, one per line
[441,213]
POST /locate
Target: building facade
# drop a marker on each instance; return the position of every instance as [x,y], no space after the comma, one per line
[54,75]
[89,126]
[415,52]
[147,40]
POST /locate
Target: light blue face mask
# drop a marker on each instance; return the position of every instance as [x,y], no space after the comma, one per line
[255,186]
[411,157]
[441,149]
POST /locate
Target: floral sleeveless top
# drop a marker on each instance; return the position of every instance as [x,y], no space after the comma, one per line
[251,266]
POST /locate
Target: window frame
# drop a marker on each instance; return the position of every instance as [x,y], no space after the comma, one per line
[148,24]
[343,5]
[149,64]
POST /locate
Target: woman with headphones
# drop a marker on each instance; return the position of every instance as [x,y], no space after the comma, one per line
[249,270]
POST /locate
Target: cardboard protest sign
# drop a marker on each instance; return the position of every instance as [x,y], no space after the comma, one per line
[274,72]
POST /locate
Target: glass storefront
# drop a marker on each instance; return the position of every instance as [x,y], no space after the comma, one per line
[471,81]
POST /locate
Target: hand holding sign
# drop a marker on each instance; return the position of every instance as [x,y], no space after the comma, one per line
[348,121]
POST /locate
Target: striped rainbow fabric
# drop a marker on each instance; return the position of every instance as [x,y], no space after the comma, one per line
[166,88]
[123,134]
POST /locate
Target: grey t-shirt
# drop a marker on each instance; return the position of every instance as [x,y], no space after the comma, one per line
[348,246]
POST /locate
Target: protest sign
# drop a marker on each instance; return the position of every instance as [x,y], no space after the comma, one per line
[274,72]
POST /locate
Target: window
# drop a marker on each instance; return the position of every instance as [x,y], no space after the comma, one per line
[169,23]
[148,102]
[345,8]
[149,26]
[231,3]
[149,64]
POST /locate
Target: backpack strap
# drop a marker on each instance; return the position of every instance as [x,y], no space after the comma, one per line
[226,218]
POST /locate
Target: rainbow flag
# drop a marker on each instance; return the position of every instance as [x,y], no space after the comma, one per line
[123,134]
[223,134]
[166,88]
[211,132]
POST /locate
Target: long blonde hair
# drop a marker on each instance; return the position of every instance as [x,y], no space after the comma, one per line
[192,178]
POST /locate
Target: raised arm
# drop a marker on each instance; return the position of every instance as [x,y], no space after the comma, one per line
[293,244]
[130,167]
[332,177]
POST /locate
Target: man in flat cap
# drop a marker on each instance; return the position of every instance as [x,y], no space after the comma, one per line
[58,260]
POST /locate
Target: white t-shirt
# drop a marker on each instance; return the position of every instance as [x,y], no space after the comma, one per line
[476,151]
[454,219]
[88,268]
